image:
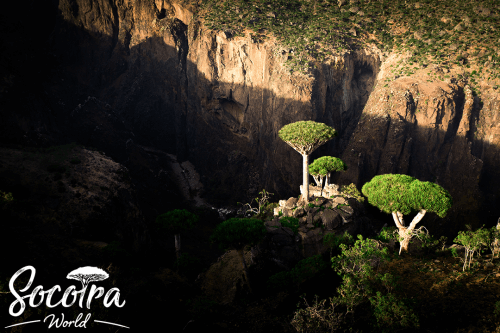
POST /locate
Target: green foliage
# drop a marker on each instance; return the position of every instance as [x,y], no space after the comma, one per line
[391,313]
[318,317]
[304,270]
[236,233]
[474,241]
[290,222]
[360,281]
[176,221]
[431,244]
[334,241]
[496,311]
[352,191]
[325,165]
[356,266]
[306,135]
[262,202]
[5,197]
[188,263]
[405,194]
[115,252]
[387,234]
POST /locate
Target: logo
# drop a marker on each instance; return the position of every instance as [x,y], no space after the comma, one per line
[38,295]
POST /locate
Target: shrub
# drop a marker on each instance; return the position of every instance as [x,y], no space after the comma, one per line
[387,234]
[188,263]
[473,241]
[352,191]
[290,222]
[334,241]
[391,313]
[115,252]
[304,270]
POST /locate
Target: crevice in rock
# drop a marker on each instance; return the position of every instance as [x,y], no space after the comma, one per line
[161,14]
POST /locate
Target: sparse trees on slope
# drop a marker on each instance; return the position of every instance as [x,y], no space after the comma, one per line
[400,195]
[175,222]
[305,137]
[237,233]
[323,167]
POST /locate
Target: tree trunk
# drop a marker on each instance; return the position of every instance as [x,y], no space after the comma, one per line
[305,178]
[177,246]
[245,271]
[406,232]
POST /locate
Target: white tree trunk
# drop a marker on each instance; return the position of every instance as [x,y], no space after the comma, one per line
[305,177]
[327,182]
[404,232]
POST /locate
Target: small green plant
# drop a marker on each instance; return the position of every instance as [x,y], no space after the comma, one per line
[352,191]
[392,313]
[5,197]
[115,252]
[290,222]
[262,202]
[334,241]
[473,241]
[187,263]
[388,234]
[303,271]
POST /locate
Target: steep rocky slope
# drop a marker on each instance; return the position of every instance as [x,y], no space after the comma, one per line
[122,73]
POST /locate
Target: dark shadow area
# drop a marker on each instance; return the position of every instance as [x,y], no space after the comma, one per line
[63,84]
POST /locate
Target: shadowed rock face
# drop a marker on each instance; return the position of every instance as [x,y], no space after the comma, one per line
[158,78]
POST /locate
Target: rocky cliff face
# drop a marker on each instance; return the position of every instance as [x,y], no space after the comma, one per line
[160,78]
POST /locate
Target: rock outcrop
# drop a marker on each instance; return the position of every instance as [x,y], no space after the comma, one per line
[158,77]
[320,217]
[75,192]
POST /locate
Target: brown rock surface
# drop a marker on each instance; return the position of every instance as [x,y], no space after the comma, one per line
[161,78]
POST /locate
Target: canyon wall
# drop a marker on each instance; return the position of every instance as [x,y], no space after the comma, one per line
[157,77]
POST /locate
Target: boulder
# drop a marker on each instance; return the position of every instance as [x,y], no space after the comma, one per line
[291,203]
[331,219]
[331,190]
[299,212]
[312,242]
[338,201]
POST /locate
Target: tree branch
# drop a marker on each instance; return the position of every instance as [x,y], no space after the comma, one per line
[417,219]
[396,220]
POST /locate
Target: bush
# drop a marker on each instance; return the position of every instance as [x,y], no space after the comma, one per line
[334,241]
[392,314]
[115,252]
[388,234]
[473,241]
[188,264]
[5,197]
[352,191]
[318,317]
[303,271]
[290,222]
